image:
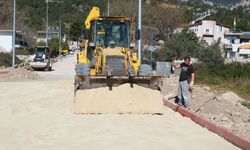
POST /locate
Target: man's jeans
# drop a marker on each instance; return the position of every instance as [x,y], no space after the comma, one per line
[184,95]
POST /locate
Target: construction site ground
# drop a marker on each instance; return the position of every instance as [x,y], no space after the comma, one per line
[223,107]
[36,110]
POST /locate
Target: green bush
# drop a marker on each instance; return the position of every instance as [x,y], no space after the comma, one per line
[54,47]
[233,76]
[246,104]
[31,50]
[210,54]
[6,60]
[180,45]
[186,43]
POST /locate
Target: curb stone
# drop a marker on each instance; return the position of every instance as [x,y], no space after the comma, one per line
[227,134]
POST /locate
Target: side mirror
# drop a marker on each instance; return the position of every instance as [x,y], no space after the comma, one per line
[91,44]
[132,45]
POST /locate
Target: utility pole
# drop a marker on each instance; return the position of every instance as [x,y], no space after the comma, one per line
[47,21]
[139,31]
[151,57]
[235,24]
[14,34]
[69,33]
[60,38]
[108,7]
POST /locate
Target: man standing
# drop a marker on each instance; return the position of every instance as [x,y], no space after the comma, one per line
[186,81]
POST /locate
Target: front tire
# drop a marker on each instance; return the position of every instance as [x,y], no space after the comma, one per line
[47,68]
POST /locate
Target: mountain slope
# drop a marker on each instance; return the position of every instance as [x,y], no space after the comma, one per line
[226,2]
[31,15]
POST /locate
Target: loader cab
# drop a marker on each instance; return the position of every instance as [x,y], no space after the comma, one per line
[42,53]
[109,32]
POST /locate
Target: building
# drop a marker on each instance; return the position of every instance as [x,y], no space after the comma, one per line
[6,37]
[237,44]
[53,33]
[209,31]
[41,36]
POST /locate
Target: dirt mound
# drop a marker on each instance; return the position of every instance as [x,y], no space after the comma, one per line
[19,74]
[122,99]
[226,108]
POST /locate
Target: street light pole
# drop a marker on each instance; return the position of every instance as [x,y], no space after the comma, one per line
[108,7]
[47,21]
[14,35]
[139,31]
[60,38]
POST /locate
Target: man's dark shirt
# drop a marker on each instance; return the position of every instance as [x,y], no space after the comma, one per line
[186,71]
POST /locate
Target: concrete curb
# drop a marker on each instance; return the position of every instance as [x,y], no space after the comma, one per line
[4,72]
[227,134]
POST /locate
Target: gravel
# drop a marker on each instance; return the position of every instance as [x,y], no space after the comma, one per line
[19,74]
[224,108]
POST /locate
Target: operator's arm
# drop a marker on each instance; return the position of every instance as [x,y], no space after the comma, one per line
[176,66]
[192,80]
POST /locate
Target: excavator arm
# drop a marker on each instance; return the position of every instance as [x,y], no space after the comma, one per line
[94,13]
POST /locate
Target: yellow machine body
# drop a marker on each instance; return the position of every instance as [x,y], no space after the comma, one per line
[107,58]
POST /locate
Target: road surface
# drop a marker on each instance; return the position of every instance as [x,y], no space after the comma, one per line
[61,70]
[37,115]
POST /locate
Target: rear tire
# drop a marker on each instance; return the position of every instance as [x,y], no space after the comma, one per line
[110,88]
[47,68]
[131,85]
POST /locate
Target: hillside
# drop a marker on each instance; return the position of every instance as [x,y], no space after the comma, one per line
[31,14]
[219,2]
[245,2]
[223,15]
[68,10]
[226,2]
[6,13]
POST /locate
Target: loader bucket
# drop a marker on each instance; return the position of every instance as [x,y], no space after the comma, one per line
[117,95]
[89,82]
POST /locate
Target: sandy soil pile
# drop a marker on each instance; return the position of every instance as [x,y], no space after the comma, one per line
[44,120]
[19,74]
[225,108]
[122,99]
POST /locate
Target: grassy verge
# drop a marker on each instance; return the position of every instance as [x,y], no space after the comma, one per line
[246,104]
[6,59]
[234,77]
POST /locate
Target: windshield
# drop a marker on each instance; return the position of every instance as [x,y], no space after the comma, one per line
[40,51]
[112,33]
[39,55]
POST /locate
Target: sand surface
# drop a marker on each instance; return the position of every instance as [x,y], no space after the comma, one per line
[122,99]
[38,115]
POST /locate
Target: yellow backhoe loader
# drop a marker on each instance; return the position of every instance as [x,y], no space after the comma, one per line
[108,58]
